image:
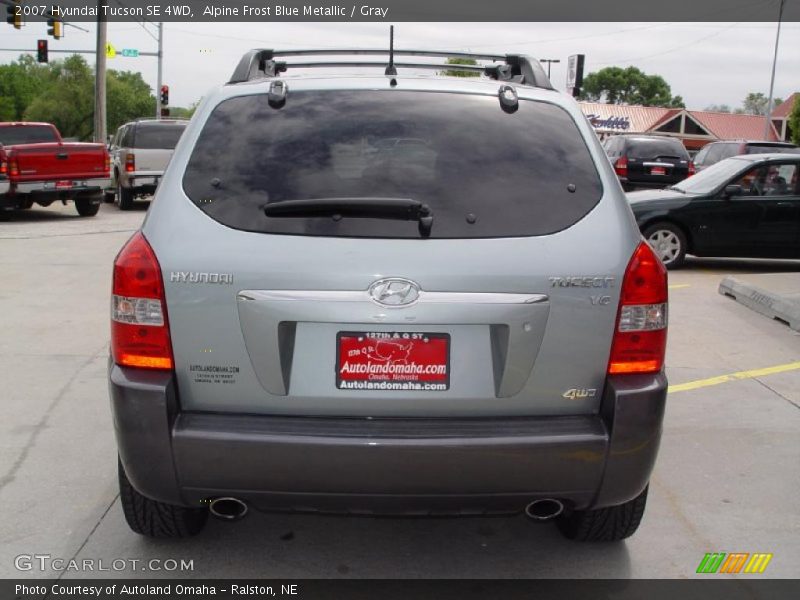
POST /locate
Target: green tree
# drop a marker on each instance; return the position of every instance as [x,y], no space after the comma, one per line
[615,85]
[718,108]
[458,73]
[20,83]
[794,122]
[65,98]
[68,99]
[756,104]
[128,98]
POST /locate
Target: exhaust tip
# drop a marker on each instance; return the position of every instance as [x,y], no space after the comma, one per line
[544,510]
[228,509]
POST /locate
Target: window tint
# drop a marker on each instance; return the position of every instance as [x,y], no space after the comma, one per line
[714,154]
[769,148]
[770,180]
[701,156]
[26,134]
[483,172]
[127,137]
[157,136]
[653,148]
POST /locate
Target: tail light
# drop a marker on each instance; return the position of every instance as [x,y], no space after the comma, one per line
[621,166]
[107,165]
[692,169]
[3,167]
[640,337]
[13,168]
[139,326]
[130,163]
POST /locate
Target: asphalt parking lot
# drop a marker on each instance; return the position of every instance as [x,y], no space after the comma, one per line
[727,478]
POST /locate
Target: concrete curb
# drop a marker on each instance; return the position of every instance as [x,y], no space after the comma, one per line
[767,303]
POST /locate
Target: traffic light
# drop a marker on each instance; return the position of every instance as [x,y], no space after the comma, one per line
[41,51]
[13,16]
[55,28]
[164,95]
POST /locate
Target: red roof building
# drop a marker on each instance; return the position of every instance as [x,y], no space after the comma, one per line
[780,116]
[695,128]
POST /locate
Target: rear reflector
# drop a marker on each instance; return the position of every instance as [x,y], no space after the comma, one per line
[139,326]
[640,337]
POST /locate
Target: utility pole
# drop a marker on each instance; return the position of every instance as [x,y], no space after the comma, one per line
[772,80]
[549,61]
[100,75]
[160,61]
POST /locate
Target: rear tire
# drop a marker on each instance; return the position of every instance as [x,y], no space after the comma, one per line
[609,524]
[668,242]
[109,197]
[87,206]
[158,519]
[124,197]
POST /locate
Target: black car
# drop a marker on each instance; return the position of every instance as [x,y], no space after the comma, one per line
[712,153]
[745,206]
[648,161]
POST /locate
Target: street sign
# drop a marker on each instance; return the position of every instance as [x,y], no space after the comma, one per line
[111,52]
[130,52]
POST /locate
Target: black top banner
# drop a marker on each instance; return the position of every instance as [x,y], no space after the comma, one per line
[391,11]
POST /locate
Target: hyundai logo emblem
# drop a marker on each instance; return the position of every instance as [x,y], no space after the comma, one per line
[394,291]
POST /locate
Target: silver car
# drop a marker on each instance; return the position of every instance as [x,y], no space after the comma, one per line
[307,323]
[140,152]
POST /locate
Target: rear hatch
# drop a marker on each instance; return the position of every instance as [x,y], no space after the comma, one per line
[307,278]
[154,144]
[656,161]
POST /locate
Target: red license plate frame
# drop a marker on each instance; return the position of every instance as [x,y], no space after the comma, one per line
[658,171]
[392,361]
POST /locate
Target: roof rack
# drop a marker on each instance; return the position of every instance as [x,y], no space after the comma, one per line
[519,68]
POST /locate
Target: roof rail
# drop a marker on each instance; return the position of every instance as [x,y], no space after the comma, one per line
[519,68]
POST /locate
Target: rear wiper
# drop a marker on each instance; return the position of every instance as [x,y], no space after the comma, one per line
[376,208]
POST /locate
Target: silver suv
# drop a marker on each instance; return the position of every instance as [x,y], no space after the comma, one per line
[140,151]
[307,322]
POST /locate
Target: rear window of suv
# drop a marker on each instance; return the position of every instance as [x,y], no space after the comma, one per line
[654,148]
[157,137]
[483,172]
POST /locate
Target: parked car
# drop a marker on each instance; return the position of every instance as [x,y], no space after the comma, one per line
[712,153]
[140,152]
[38,167]
[745,206]
[292,330]
[648,161]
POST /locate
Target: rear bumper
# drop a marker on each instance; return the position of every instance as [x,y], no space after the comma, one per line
[49,187]
[396,466]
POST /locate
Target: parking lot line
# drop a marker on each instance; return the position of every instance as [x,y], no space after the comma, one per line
[678,286]
[700,383]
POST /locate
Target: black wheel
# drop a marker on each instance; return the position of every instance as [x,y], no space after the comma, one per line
[87,206]
[124,197]
[609,524]
[668,242]
[158,519]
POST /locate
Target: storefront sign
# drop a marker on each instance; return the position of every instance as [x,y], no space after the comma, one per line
[621,123]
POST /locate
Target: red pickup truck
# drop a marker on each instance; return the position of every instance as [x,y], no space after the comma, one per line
[37,166]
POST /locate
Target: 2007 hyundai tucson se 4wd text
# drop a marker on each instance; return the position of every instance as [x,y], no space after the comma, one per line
[465,320]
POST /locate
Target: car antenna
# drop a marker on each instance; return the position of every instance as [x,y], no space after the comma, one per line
[390,69]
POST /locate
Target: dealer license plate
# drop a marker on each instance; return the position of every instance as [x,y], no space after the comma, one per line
[658,171]
[405,361]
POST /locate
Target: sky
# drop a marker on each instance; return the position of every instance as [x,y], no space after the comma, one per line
[705,63]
